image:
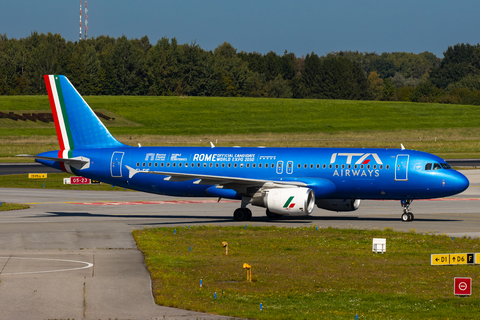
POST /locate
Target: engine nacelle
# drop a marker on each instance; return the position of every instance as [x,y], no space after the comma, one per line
[338,204]
[290,201]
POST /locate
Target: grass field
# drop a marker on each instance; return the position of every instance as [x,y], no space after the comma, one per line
[451,131]
[7,206]
[304,273]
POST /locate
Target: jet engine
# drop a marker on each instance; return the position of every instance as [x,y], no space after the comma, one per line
[287,201]
[338,204]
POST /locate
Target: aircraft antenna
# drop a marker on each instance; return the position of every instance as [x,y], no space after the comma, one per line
[86,21]
[80,36]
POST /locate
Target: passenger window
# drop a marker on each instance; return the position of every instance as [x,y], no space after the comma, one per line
[254,165]
[445,166]
[168,164]
[204,165]
[436,166]
[180,164]
[235,165]
[174,164]
[387,166]
[211,165]
[259,165]
[318,166]
[143,164]
[192,165]
[156,164]
[355,167]
[428,166]
[138,164]
[381,166]
[324,166]
[330,167]
[149,164]
[349,166]
[336,166]
[223,165]
[299,166]
[161,164]
[305,166]
[229,165]
[273,165]
[343,166]
[248,165]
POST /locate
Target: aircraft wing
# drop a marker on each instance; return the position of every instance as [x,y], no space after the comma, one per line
[214,180]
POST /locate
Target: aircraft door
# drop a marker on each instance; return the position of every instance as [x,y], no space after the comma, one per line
[289,167]
[116,164]
[401,167]
[279,167]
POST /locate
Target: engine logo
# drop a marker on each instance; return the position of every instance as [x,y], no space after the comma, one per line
[288,204]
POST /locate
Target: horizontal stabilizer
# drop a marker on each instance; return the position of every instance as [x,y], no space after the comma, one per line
[77,162]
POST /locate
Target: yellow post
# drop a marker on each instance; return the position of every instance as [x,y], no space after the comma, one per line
[249,271]
[225,244]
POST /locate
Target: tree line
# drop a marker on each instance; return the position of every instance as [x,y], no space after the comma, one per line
[122,66]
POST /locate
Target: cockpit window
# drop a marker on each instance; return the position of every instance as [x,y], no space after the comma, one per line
[428,166]
[436,166]
[445,166]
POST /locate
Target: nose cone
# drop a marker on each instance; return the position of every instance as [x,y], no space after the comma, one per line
[457,182]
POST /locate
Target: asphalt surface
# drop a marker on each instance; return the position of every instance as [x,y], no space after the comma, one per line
[72,255]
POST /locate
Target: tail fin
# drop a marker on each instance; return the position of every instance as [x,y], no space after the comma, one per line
[77,125]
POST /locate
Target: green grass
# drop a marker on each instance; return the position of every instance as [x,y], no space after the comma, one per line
[53,181]
[302,273]
[6,206]
[450,131]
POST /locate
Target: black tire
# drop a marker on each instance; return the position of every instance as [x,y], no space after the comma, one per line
[272,215]
[242,214]
[411,216]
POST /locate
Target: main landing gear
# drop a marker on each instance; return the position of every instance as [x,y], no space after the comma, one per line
[407,215]
[243,213]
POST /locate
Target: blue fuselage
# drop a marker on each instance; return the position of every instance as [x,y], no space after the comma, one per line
[343,173]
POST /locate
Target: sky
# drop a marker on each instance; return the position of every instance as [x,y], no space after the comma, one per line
[298,26]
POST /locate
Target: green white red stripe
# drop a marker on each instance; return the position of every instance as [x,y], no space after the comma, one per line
[60,116]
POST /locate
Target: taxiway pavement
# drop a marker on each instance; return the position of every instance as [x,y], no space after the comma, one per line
[72,255]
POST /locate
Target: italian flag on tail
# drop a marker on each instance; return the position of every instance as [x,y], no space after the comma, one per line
[60,116]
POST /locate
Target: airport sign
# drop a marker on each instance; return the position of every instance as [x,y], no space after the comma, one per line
[37,176]
[443,259]
[462,286]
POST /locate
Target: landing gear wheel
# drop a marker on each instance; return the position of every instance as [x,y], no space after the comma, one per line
[405,217]
[242,214]
[272,215]
[411,217]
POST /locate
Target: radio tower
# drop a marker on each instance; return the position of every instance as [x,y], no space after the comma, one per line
[86,21]
[80,37]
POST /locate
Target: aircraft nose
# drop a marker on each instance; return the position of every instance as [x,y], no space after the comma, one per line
[458,182]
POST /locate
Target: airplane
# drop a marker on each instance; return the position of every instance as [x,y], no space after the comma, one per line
[285,181]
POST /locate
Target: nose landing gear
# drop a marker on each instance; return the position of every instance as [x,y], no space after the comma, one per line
[407,215]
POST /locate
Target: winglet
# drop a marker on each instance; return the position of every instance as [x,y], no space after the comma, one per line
[211,143]
[403,148]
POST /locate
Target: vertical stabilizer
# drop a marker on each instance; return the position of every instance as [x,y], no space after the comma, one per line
[77,125]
